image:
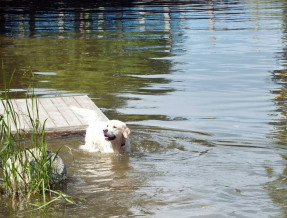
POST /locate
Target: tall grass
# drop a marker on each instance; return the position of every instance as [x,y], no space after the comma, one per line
[21,176]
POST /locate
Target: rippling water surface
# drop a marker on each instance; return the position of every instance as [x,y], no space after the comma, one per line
[201,84]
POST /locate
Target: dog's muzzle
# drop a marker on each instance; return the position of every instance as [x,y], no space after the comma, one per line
[108,135]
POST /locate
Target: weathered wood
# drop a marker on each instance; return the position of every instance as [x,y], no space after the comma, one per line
[56,112]
[68,114]
[8,119]
[44,115]
[24,122]
[85,103]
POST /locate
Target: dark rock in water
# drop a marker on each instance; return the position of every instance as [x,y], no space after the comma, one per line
[59,172]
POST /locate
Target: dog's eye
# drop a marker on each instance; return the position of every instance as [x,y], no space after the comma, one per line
[114,126]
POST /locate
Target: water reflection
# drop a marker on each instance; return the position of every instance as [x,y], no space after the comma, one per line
[130,185]
[78,43]
[106,178]
[198,71]
[277,186]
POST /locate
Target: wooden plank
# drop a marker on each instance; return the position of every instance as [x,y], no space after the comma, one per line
[44,116]
[54,113]
[8,118]
[87,103]
[23,113]
[73,103]
[61,119]
[66,130]
[66,112]
[23,119]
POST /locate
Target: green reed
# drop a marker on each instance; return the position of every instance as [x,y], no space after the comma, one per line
[24,178]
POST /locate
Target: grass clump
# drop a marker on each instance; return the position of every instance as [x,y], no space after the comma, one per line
[27,165]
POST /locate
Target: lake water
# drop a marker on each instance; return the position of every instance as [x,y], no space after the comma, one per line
[201,84]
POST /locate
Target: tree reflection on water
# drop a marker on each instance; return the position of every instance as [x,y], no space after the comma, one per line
[123,51]
[278,187]
[93,48]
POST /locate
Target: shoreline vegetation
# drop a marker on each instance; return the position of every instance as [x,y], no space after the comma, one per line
[26,165]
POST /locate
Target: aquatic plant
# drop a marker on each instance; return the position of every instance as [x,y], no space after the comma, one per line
[27,166]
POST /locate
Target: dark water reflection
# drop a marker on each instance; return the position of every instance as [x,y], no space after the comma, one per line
[201,83]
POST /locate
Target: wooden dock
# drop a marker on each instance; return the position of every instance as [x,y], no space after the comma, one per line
[58,112]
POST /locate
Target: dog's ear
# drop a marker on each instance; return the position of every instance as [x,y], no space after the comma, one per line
[126,132]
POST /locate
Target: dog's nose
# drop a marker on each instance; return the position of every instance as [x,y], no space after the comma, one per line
[105,131]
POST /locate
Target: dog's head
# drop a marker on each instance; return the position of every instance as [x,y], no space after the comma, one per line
[116,130]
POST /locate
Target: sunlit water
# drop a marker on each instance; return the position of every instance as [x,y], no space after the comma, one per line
[202,86]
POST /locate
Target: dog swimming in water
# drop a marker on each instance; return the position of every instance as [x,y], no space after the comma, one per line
[104,136]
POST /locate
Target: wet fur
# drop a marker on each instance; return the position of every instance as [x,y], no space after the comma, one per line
[107,137]
[103,136]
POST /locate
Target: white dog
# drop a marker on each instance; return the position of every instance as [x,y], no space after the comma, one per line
[106,137]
